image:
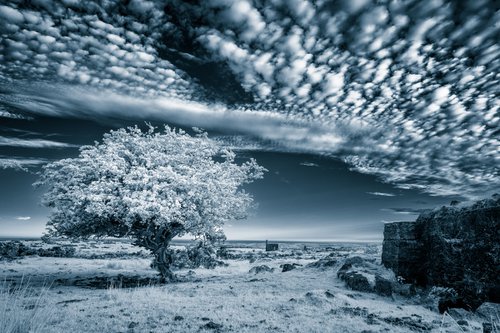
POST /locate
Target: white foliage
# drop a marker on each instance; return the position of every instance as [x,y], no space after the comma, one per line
[135,180]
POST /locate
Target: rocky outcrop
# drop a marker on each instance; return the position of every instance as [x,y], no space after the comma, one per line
[457,247]
[402,250]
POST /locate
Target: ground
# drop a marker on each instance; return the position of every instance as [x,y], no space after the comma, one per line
[45,294]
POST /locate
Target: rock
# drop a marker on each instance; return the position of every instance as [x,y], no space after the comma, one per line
[409,323]
[462,322]
[178,318]
[348,264]
[261,269]
[454,246]
[458,313]
[288,267]
[383,286]
[133,324]
[328,294]
[404,289]
[357,281]
[371,319]
[256,280]
[323,263]
[212,326]
[489,311]
[401,249]
[487,328]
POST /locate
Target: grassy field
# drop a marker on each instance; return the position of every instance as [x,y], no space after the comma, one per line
[44,294]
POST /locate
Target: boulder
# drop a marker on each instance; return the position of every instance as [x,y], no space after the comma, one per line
[212,326]
[383,286]
[489,311]
[404,289]
[458,313]
[348,264]
[261,269]
[323,263]
[357,281]
[288,267]
[487,328]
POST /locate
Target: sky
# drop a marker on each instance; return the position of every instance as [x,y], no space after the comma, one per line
[363,111]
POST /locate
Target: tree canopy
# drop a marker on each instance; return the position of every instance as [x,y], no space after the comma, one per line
[150,186]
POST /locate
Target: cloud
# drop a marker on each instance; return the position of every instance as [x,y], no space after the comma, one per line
[6,114]
[309,164]
[280,132]
[382,194]
[32,143]
[11,15]
[23,218]
[405,91]
[405,211]
[21,164]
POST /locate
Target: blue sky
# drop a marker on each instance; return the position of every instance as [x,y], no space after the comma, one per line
[394,97]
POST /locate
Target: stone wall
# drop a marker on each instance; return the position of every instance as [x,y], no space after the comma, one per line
[456,247]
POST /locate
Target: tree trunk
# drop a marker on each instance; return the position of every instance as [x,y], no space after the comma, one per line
[162,262]
[157,240]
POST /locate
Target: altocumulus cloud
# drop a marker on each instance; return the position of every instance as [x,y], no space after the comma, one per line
[405,90]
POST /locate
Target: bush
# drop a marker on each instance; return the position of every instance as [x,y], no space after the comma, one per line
[197,255]
[57,251]
[442,298]
[15,249]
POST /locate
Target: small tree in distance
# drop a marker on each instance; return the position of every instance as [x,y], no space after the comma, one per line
[150,186]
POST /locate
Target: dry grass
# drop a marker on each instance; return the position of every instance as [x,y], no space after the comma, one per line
[225,299]
[23,309]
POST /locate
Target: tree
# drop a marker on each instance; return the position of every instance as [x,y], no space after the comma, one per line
[150,186]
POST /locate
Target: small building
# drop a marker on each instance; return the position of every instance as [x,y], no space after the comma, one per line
[271,246]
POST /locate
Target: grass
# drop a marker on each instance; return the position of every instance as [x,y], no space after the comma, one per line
[23,309]
[224,299]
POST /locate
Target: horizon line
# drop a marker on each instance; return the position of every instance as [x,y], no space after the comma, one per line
[303,240]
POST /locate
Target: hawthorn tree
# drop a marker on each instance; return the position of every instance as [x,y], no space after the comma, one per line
[150,186]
